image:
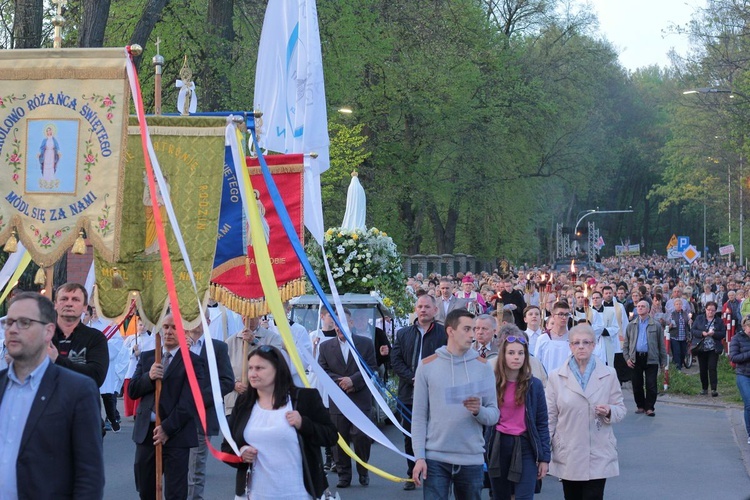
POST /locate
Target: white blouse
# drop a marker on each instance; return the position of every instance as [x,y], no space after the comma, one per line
[277,472]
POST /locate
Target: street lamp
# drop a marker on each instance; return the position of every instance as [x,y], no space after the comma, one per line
[593,211]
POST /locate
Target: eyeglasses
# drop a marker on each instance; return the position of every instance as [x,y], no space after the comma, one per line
[22,323]
[584,343]
[562,315]
[520,340]
[265,349]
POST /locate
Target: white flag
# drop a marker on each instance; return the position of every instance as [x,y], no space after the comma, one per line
[290,92]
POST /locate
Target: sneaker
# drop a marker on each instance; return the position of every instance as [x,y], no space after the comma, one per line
[116,427]
[714,394]
[409,485]
[107,426]
[704,392]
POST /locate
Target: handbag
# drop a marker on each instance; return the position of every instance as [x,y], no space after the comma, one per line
[698,347]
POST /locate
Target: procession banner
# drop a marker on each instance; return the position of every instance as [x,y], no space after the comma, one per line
[63,116]
[191,153]
[235,281]
[623,250]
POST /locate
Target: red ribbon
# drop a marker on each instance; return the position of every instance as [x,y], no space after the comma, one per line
[169,278]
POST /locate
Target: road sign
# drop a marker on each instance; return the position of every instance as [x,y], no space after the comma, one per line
[672,242]
[726,250]
[691,253]
[682,243]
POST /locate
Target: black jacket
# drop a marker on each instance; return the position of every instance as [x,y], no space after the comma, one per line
[316,430]
[739,353]
[405,354]
[87,352]
[61,454]
[700,325]
[176,404]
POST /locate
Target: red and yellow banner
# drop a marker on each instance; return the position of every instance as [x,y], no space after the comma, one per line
[235,281]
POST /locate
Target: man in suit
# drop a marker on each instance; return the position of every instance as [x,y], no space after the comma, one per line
[338,362]
[177,432]
[199,454]
[49,415]
[485,336]
[446,301]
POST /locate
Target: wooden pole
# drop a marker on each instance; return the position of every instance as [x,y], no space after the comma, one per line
[49,276]
[245,348]
[157,396]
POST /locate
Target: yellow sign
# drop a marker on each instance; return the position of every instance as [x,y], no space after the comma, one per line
[672,242]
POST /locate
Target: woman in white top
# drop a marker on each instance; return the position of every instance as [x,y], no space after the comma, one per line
[279,429]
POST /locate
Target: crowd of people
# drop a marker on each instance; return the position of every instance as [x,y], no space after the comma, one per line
[503,378]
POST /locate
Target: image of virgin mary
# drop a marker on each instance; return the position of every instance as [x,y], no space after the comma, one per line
[49,156]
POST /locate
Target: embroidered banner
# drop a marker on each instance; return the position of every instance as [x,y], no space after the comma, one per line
[235,281]
[62,130]
[191,153]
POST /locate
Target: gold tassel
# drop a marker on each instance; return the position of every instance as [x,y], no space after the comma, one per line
[12,244]
[79,247]
[117,281]
[40,278]
[247,265]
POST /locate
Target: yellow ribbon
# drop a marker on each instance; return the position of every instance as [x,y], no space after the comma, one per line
[273,299]
[25,261]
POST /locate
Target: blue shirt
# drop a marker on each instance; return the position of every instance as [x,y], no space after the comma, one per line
[641,345]
[14,411]
[582,378]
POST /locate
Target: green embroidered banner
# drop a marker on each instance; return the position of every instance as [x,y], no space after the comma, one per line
[191,155]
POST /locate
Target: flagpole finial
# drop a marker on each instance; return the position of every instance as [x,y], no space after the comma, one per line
[355,174]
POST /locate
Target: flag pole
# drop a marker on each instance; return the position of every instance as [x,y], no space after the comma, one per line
[157,423]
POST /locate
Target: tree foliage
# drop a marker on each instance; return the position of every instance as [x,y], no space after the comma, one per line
[477,125]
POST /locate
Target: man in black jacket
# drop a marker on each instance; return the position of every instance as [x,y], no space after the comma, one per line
[414,343]
[76,346]
[177,432]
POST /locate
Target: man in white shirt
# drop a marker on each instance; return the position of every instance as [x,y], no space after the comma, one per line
[532,315]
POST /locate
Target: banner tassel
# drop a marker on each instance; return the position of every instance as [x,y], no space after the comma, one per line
[79,247]
[117,280]
[40,278]
[12,244]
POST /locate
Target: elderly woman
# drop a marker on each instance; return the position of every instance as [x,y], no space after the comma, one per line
[584,400]
[708,331]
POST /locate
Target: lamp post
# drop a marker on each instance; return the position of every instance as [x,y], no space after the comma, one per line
[593,211]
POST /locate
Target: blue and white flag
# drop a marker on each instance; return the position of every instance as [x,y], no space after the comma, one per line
[290,92]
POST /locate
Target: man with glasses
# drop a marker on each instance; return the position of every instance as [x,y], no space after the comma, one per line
[46,413]
[644,352]
[552,347]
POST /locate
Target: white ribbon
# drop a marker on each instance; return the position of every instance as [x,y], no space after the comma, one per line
[11,265]
[183,94]
[211,356]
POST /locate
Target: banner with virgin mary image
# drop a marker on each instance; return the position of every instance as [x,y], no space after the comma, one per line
[63,114]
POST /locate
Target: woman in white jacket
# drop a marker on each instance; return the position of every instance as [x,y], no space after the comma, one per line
[584,400]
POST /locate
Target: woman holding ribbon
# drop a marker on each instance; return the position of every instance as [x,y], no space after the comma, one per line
[279,429]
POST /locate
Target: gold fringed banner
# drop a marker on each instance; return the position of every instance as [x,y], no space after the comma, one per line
[235,281]
[63,114]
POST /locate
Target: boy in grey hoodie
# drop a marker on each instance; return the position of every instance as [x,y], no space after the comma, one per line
[454,396]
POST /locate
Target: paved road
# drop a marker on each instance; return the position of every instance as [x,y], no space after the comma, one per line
[685,452]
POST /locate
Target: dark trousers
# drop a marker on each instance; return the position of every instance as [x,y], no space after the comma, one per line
[408,449]
[641,369]
[584,490]
[110,407]
[679,351]
[707,361]
[174,465]
[361,442]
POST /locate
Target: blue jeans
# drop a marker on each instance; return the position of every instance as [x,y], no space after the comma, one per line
[743,384]
[466,481]
[502,489]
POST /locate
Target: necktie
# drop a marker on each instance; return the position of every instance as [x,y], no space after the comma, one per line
[483,351]
[167,359]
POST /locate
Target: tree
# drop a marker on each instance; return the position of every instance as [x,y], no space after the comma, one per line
[95,14]
[27,24]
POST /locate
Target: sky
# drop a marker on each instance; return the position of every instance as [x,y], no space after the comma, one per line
[638,28]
